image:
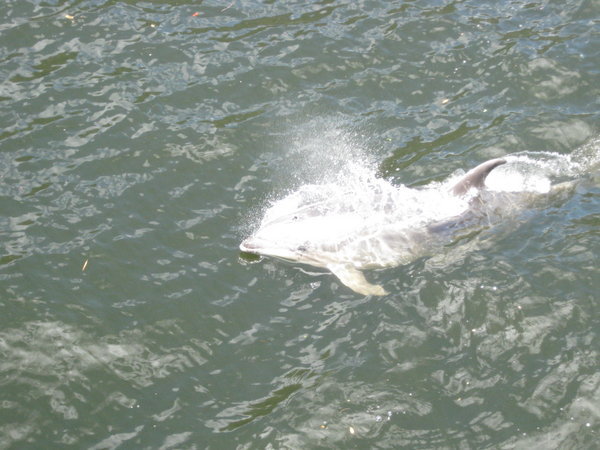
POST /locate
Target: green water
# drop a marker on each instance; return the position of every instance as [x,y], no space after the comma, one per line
[140,142]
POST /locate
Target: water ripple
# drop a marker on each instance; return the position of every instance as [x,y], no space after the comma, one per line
[141,142]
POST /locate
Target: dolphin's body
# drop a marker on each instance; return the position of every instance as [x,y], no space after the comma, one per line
[377,227]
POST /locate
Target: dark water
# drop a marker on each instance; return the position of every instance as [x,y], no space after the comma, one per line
[140,143]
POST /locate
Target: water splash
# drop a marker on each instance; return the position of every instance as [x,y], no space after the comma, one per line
[323,151]
[327,165]
[329,171]
[538,171]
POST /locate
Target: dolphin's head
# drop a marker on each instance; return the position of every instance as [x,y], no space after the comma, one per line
[300,236]
[286,239]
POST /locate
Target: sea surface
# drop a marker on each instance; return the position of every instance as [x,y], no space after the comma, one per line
[142,141]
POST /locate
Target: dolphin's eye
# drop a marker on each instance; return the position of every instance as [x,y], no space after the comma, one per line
[295,218]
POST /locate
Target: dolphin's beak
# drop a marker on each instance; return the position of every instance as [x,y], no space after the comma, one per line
[248,245]
[265,247]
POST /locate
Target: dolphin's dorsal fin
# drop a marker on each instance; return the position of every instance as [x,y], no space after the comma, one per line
[475,178]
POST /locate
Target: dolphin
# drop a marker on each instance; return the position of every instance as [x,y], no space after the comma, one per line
[373,226]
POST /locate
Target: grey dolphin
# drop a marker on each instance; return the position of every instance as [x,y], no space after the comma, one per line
[316,232]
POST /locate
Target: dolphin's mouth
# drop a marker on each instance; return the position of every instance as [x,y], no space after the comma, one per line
[249,246]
